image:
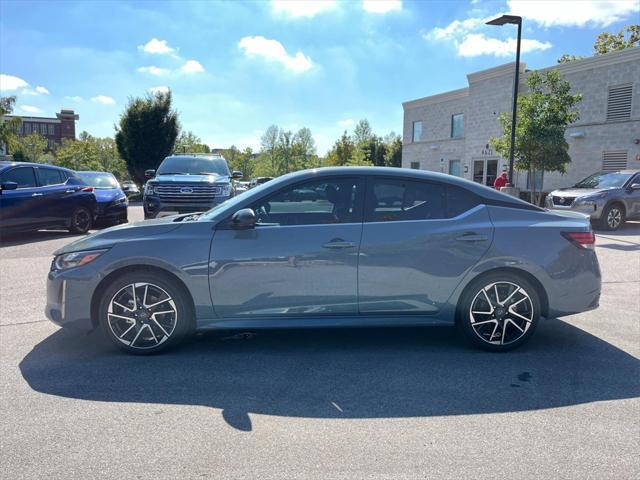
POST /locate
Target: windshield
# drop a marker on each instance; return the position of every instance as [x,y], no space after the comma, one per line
[604,180]
[209,214]
[193,166]
[98,179]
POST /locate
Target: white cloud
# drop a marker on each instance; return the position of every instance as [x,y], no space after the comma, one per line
[10,83]
[381,6]
[274,51]
[41,90]
[103,99]
[30,109]
[571,13]
[347,122]
[302,8]
[153,70]
[475,44]
[192,66]
[75,99]
[456,29]
[157,47]
[159,89]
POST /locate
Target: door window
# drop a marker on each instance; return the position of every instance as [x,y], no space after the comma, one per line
[391,200]
[50,176]
[459,201]
[320,202]
[23,176]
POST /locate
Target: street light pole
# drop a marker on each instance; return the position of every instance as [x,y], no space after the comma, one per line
[513,19]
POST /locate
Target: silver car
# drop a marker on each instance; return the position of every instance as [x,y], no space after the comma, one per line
[608,198]
[372,247]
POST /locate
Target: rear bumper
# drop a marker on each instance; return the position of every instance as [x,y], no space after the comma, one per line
[576,289]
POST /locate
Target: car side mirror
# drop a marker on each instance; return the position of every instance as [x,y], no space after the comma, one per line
[244,219]
[635,186]
[237,174]
[9,185]
[149,173]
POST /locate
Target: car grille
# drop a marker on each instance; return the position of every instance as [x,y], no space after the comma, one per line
[563,201]
[188,193]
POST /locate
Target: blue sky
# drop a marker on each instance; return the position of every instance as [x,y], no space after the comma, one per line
[237,67]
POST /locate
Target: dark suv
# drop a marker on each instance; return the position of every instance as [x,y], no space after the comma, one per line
[188,183]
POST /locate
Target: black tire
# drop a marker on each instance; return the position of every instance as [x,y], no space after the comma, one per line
[149,216]
[612,218]
[81,220]
[145,334]
[478,327]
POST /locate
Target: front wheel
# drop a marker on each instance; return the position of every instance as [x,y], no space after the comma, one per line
[145,313]
[499,312]
[81,220]
[612,217]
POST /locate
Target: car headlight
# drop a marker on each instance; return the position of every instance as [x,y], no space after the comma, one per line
[225,190]
[120,200]
[75,259]
[148,189]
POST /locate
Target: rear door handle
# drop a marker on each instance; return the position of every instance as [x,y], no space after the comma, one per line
[337,243]
[36,194]
[71,190]
[472,237]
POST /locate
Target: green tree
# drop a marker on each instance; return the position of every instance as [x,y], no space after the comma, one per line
[8,136]
[30,148]
[628,37]
[393,150]
[341,152]
[304,149]
[188,142]
[543,116]
[91,153]
[565,58]
[268,150]
[147,133]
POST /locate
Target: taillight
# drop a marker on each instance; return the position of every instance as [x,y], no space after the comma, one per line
[581,239]
[87,189]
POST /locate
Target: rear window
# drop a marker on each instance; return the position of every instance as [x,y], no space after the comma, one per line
[390,200]
[50,176]
[460,200]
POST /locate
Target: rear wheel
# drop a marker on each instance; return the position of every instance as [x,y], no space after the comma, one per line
[499,312]
[81,220]
[612,217]
[145,313]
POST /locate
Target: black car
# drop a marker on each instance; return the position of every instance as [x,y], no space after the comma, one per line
[35,196]
[188,183]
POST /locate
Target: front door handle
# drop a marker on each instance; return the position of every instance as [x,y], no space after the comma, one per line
[71,190]
[36,194]
[338,243]
[472,237]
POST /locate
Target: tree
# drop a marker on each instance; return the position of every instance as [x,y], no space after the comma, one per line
[188,142]
[8,128]
[565,58]
[341,152]
[147,133]
[628,37]
[30,148]
[91,153]
[393,150]
[269,144]
[543,116]
[304,148]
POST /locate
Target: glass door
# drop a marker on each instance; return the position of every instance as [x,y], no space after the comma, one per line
[454,167]
[478,171]
[492,172]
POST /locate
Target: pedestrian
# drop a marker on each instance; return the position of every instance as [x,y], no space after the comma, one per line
[501,181]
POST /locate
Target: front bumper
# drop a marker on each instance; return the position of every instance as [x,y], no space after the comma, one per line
[153,205]
[591,208]
[113,213]
[69,295]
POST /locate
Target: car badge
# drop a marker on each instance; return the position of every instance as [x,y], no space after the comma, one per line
[186,190]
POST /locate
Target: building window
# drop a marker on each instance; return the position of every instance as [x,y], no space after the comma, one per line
[457,125]
[51,129]
[51,143]
[614,160]
[619,103]
[27,128]
[417,131]
[454,167]
[415,165]
[43,128]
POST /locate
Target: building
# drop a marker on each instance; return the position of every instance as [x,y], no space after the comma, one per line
[450,132]
[63,126]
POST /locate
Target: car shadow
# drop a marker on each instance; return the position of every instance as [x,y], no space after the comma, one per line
[340,373]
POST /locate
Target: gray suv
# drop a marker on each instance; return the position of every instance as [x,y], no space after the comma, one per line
[188,183]
[609,198]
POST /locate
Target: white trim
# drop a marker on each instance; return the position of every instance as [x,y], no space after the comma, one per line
[439,98]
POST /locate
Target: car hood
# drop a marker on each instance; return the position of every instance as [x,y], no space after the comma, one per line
[190,179]
[128,232]
[105,195]
[576,192]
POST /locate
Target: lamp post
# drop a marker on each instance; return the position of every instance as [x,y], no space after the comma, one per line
[515,20]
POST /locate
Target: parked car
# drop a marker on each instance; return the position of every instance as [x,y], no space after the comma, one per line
[242,187]
[448,251]
[130,189]
[608,198]
[34,196]
[259,181]
[112,201]
[188,183]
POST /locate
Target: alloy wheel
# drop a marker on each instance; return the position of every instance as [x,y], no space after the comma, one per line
[82,220]
[614,218]
[142,315]
[501,313]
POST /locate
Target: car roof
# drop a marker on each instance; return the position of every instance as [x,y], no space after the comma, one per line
[6,164]
[93,171]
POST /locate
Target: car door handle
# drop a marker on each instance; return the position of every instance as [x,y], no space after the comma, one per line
[338,243]
[36,194]
[71,190]
[472,237]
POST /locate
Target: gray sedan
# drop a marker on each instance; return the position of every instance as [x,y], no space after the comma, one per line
[379,247]
[608,198]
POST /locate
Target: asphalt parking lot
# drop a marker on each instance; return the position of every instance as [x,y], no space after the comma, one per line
[394,403]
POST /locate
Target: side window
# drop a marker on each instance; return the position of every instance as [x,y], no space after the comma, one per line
[23,176]
[459,201]
[319,202]
[395,200]
[50,176]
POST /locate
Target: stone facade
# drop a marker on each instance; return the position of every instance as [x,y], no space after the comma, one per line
[490,92]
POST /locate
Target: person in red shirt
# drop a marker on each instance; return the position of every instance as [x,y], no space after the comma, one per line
[501,181]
